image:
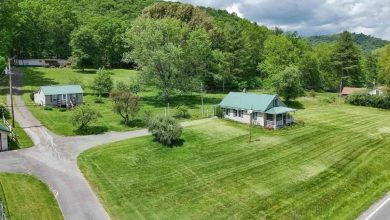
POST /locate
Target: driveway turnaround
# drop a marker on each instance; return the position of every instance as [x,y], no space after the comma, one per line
[53,159]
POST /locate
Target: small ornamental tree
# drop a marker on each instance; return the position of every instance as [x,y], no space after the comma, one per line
[165,130]
[83,115]
[125,103]
[103,83]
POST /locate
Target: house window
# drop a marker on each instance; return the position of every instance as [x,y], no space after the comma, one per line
[54,98]
[257,115]
[276,103]
[234,113]
[240,113]
[227,111]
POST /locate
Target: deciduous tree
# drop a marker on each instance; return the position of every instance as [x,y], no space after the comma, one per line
[83,115]
[288,83]
[125,103]
[103,83]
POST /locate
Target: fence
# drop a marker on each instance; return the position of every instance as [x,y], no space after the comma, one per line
[2,209]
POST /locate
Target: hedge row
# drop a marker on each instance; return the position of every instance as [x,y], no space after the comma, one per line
[376,101]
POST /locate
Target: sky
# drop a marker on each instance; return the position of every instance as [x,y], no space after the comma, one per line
[312,17]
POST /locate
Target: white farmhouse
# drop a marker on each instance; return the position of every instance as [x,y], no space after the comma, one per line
[264,110]
[59,96]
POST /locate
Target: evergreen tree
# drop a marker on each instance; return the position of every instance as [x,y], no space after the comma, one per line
[346,60]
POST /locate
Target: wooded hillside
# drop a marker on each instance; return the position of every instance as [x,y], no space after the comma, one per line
[366,42]
[205,46]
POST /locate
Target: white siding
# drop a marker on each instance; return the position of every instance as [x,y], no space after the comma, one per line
[245,117]
[4,141]
[39,98]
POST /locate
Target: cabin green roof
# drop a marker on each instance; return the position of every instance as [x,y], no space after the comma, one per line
[62,89]
[240,100]
[4,128]
[279,110]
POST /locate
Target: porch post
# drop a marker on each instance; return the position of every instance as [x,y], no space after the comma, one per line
[274,121]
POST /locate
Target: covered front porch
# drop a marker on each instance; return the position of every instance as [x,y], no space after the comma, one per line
[279,117]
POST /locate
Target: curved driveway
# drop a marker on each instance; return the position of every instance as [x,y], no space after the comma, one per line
[53,159]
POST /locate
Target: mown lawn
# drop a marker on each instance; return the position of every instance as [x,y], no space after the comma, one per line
[333,167]
[150,100]
[25,197]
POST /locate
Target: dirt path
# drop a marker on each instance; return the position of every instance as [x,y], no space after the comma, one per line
[53,159]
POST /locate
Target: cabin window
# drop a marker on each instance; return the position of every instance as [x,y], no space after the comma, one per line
[53,98]
[276,103]
[234,113]
[227,111]
[241,113]
[257,115]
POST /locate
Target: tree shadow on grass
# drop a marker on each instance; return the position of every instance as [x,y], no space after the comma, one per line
[191,101]
[295,104]
[34,78]
[175,144]
[135,123]
[87,71]
[91,130]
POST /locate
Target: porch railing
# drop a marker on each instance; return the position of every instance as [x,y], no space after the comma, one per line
[280,122]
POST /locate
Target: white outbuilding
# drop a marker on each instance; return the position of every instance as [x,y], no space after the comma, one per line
[4,132]
[59,96]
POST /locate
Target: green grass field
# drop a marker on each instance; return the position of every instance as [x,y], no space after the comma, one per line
[333,167]
[150,100]
[25,197]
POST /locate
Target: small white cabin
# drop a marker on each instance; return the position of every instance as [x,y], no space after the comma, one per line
[59,96]
[264,110]
[4,132]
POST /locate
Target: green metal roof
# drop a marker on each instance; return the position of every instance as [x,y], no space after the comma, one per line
[64,89]
[240,100]
[4,128]
[279,110]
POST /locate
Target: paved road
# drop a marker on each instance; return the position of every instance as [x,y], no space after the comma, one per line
[379,211]
[53,159]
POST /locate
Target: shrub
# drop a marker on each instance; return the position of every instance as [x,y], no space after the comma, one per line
[182,112]
[99,100]
[48,108]
[330,100]
[312,93]
[147,117]
[165,130]
[4,111]
[62,109]
[32,96]
[83,115]
[219,112]
[363,99]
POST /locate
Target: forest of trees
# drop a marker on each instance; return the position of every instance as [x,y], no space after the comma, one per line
[170,42]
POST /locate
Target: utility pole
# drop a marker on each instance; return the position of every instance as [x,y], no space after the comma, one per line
[250,112]
[201,95]
[10,92]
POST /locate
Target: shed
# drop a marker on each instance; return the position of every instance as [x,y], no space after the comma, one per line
[4,131]
[349,90]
